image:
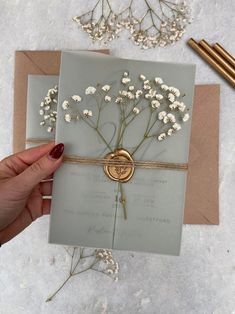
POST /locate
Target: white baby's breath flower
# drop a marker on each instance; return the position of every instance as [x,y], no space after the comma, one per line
[123,93]
[171,117]
[41,112]
[42,123]
[49,129]
[159,96]
[136,110]
[119,100]
[87,113]
[138,93]
[65,105]
[181,107]
[106,88]
[125,80]
[186,117]
[76,98]
[158,80]
[146,86]
[166,119]
[107,98]
[67,117]
[176,126]
[90,90]
[161,115]
[52,119]
[125,74]
[155,104]
[174,91]
[131,88]
[147,96]
[162,137]
[152,92]
[47,100]
[46,116]
[170,132]
[130,95]
[164,87]
[142,77]
[171,97]
[76,19]
[174,105]
[110,271]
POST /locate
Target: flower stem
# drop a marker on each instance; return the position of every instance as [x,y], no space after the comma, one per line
[123,201]
[72,270]
[97,131]
[55,293]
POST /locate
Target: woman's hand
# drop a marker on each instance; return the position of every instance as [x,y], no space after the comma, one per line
[24,179]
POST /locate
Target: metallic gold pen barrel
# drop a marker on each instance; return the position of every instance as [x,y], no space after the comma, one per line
[208,58]
[217,57]
[224,54]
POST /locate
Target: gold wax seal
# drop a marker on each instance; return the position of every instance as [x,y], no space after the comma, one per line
[116,172]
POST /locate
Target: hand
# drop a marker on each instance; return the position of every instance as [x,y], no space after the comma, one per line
[24,179]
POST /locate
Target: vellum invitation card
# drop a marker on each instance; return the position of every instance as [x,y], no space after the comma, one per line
[109,193]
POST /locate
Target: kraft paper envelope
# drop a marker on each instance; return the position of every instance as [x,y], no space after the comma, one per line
[201,205]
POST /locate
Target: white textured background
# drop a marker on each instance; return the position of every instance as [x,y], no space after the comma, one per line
[202,279]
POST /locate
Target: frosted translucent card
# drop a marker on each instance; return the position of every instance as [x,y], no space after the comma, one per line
[86,204]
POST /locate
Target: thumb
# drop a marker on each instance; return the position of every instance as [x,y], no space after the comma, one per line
[41,168]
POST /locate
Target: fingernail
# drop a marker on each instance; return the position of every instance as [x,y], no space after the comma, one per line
[57,151]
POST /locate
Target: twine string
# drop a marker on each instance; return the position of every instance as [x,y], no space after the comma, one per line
[125,163]
[74,159]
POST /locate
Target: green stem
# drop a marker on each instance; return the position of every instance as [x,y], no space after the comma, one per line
[123,201]
[145,133]
[87,268]
[103,139]
[60,287]
[129,122]
[72,273]
[98,132]
[165,2]
[122,120]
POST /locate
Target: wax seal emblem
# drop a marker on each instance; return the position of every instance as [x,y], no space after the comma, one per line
[121,173]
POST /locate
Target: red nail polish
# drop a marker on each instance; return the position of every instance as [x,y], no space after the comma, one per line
[57,151]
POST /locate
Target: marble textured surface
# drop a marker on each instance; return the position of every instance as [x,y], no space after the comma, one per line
[202,279]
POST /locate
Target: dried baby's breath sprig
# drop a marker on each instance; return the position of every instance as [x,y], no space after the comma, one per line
[48,110]
[166,112]
[100,23]
[82,260]
[161,25]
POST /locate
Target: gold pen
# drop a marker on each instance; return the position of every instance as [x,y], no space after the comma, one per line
[224,54]
[217,57]
[208,58]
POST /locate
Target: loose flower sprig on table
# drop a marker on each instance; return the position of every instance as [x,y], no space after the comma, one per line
[161,25]
[163,103]
[83,259]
